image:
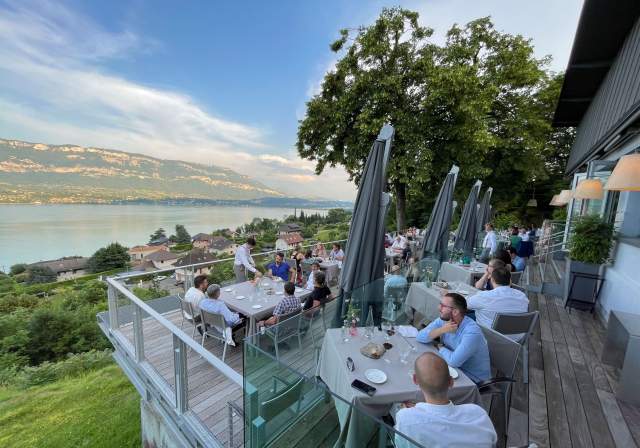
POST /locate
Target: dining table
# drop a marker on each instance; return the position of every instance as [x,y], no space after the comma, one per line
[424,299]
[396,363]
[458,272]
[331,269]
[257,301]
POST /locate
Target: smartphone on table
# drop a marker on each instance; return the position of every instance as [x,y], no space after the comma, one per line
[363,387]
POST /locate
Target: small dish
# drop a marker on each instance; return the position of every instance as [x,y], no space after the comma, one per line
[453,373]
[376,376]
[279,293]
[255,307]
[228,290]
[240,297]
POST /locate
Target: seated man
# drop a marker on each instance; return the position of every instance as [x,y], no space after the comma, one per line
[212,304]
[336,253]
[484,282]
[315,267]
[321,293]
[517,262]
[287,305]
[399,244]
[195,294]
[438,422]
[394,280]
[501,299]
[462,343]
[279,268]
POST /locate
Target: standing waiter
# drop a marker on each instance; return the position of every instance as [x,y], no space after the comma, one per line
[243,261]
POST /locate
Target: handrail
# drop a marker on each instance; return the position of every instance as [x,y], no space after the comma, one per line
[188,340]
[206,263]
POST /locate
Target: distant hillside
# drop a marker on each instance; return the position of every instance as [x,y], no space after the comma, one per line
[40,173]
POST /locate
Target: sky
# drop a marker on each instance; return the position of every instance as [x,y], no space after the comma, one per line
[220,83]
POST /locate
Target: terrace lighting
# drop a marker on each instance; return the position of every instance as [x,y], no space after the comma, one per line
[626,174]
[564,197]
[589,189]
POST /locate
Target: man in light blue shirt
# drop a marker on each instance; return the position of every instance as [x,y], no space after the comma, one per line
[517,262]
[462,343]
[395,280]
[212,304]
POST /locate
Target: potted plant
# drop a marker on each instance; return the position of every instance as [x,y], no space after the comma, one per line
[589,250]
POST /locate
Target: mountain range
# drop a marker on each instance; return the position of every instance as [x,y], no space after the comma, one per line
[42,173]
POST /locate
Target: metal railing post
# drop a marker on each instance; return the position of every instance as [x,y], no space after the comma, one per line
[112,300]
[180,374]
[138,335]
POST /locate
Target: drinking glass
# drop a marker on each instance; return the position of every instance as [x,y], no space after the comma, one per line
[404,355]
[345,331]
[385,326]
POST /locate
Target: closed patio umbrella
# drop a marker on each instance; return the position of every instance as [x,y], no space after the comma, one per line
[466,233]
[364,257]
[484,212]
[437,234]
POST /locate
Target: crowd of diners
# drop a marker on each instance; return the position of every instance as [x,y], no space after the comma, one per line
[205,296]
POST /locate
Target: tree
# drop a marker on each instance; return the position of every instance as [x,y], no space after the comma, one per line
[470,102]
[17,269]
[113,256]
[40,274]
[181,236]
[159,233]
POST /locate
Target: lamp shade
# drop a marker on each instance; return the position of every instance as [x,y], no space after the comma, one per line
[555,200]
[626,174]
[564,197]
[589,189]
[532,203]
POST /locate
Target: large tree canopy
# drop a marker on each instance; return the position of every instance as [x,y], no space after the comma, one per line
[481,101]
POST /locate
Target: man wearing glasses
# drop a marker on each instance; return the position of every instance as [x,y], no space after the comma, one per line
[462,344]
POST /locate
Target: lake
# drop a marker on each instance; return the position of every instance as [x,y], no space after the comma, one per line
[30,233]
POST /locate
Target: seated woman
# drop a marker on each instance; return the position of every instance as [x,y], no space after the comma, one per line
[287,305]
[483,282]
[336,253]
[319,251]
[503,255]
[320,295]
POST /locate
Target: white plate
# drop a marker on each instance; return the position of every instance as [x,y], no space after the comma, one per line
[279,293]
[228,290]
[375,376]
[240,297]
[255,307]
[453,373]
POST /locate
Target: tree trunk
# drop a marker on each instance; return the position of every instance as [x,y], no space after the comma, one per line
[401,203]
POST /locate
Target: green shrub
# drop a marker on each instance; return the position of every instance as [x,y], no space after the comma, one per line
[18,269]
[49,372]
[591,240]
[505,220]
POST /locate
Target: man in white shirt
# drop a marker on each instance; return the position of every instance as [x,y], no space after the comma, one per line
[399,244]
[489,243]
[243,261]
[438,422]
[502,298]
[195,294]
[315,267]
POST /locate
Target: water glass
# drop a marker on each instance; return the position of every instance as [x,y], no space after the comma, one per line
[344,333]
[404,355]
[385,328]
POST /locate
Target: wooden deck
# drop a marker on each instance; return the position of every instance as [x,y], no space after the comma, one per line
[569,402]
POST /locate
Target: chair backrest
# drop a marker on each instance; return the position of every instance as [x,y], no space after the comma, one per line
[516,277]
[586,289]
[398,293]
[291,263]
[277,404]
[287,324]
[214,320]
[515,323]
[187,309]
[503,352]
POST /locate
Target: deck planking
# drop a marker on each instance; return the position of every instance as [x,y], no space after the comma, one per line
[569,401]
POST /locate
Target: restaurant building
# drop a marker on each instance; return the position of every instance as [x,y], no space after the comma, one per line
[601,97]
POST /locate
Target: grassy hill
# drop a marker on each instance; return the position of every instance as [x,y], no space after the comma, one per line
[36,172]
[99,409]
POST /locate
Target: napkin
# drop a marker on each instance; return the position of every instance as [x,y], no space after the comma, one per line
[408,331]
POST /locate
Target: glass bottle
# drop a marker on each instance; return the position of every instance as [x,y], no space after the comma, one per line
[370,324]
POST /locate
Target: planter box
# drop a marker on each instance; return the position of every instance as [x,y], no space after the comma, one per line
[582,288]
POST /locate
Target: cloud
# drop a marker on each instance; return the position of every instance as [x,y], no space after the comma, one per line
[56,89]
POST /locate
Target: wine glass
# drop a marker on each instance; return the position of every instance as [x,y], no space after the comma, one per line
[385,326]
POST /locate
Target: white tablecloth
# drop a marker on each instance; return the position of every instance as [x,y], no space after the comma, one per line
[331,270]
[399,387]
[454,272]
